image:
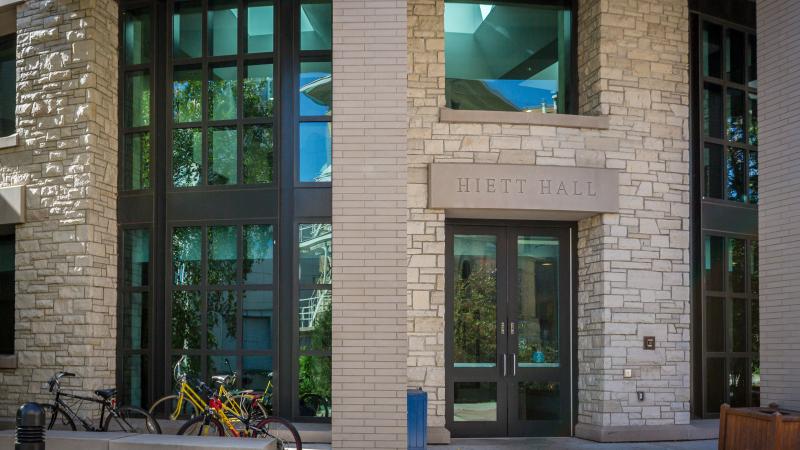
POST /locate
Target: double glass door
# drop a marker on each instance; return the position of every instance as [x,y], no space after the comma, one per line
[508,328]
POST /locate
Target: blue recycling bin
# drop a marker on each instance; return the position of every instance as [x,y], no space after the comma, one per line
[417,404]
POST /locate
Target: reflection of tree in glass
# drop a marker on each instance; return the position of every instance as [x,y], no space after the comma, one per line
[315,371]
[186,255]
[475,313]
[185,320]
[186,156]
[187,100]
[257,154]
[257,99]
[221,318]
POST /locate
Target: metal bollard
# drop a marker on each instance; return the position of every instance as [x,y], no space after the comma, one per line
[30,427]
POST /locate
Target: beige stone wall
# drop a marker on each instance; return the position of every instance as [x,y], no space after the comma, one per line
[369,211]
[633,266]
[67,159]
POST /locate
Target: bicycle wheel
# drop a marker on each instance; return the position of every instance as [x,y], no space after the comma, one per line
[251,406]
[131,419]
[203,425]
[166,407]
[56,419]
[284,433]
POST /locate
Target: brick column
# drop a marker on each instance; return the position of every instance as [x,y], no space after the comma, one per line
[634,266]
[66,264]
[369,224]
[779,207]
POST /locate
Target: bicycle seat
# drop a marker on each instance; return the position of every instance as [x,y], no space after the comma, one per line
[221,379]
[105,394]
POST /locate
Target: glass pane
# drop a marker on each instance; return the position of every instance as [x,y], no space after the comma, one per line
[752,114]
[189,365]
[134,320]
[134,380]
[734,115]
[506,57]
[474,300]
[257,149]
[539,401]
[260,26]
[754,326]
[222,156]
[258,90]
[223,19]
[137,161]
[186,249]
[136,257]
[315,319]
[222,93]
[256,373]
[712,50]
[258,254]
[752,176]
[222,316]
[186,320]
[738,378]
[715,384]
[222,364]
[315,88]
[739,325]
[315,25]
[315,152]
[754,267]
[735,178]
[715,324]
[736,259]
[136,31]
[314,387]
[752,69]
[187,157]
[734,56]
[755,377]
[8,85]
[712,110]
[474,401]
[315,253]
[537,323]
[7,294]
[137,99]
[222,255]
[187,95]
[713,262]
[257,311]
[713,170]
[187,30]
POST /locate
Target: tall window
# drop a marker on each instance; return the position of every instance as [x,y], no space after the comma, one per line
[8,84]
[7,294]
[508,56]
[226,144]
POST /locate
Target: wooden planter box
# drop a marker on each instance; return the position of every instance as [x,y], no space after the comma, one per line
[758,429]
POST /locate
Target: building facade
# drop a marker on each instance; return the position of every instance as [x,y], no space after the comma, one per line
[545,214]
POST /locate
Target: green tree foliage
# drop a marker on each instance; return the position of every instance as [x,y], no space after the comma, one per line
[475,309]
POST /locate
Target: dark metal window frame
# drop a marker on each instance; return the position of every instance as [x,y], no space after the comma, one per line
[572,5]
[284,203]
[9,40]
[712,216]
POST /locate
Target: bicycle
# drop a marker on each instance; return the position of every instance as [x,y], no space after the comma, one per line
[129,419]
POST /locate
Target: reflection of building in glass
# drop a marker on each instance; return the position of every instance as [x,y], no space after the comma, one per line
[315,239]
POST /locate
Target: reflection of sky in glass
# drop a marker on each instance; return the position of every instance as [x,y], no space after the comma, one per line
[308,105]
[525,94]
[315,151]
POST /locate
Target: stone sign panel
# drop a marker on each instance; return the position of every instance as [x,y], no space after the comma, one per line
[523,187]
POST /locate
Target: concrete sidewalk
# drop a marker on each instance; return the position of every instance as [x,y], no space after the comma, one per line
[569,444]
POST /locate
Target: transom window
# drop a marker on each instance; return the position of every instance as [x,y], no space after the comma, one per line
[8,84]
[508,56]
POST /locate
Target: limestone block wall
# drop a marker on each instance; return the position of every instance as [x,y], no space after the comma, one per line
[66,252]
[633,266]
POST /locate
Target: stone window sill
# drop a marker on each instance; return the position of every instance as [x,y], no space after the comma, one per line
[8,141]
[8,361]
[448,115]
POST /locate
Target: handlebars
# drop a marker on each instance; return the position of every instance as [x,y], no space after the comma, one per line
[54,381]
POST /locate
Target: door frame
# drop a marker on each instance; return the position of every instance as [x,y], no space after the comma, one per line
[505,228]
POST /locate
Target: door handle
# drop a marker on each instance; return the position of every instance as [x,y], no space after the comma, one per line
[511,328]
[505,368]
[503,328]
[514,364]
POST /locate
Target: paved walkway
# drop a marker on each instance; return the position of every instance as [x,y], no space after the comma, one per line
[554,444]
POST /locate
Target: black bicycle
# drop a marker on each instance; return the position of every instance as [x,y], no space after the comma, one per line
[113,417]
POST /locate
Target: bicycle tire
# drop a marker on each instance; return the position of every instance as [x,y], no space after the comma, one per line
[131,416]
[277,428]
[207,423]
[187,411]
[52,413]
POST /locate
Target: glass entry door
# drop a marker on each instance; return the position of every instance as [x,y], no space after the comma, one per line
[508,331]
